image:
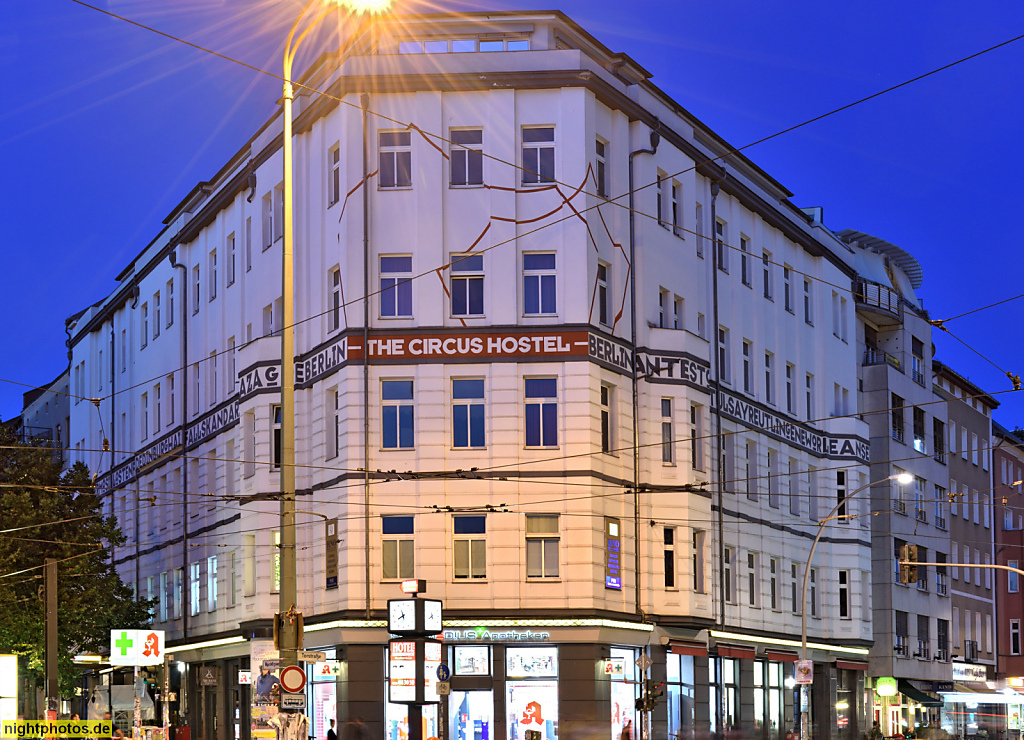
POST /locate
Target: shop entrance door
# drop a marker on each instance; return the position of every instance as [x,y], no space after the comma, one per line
[471,715]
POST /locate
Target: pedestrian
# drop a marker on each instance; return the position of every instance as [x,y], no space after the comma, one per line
[627,730]
[331,734]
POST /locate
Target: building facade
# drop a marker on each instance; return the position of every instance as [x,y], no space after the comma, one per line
[596,433]
[911,621]
[1008,524]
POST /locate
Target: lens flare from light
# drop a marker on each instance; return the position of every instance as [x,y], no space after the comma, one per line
[368,7]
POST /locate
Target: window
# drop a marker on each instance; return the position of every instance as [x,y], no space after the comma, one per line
[170,399]
[157,404]
[603,306]
[249,444]
[721,247]
[697,437]
[809,395]
[275,436]
[193,591]
[542,546]
[211,583]
[395,152]
[728,586]
[278,211]
[333,175]
[917,360]
[751,470]
[248,244]
[812,588]
[752,580]
[539,284]
[144,336]
[156,319]
[942,639]
[1012,578]
[541,412]
[744,260]
[145,415]
[698,220]
[748,371]
[769,380]
[924,639]
[334,428]
[196,285]
[602,169]
[398,559]
[607,444]
[660,199]
[268,221]
[677,213]
[229,265]
[467,285]
[669,537]
[467,413]
[896,407]
[919,443]
[940,497]
[844,594]
[808,303]
[538,155]
[701,326]
[723,353]
[795,592]
[396,414]
[677,313]
[663,301]
[467,157]
[773,584]
[790,394]
[1014,637]
[470,547]
[396,287]
[939,440]
[212,273]
[773,478]
[334,299]
[163,597]
[698,560]
[667,433]
[766,273]
[787,288]
[170,302]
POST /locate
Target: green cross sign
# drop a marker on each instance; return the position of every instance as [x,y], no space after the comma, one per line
[124,642]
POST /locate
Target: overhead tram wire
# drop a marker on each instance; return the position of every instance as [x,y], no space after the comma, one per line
[577,212]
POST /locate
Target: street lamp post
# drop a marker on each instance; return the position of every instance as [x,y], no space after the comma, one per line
[903,479]
[307,21]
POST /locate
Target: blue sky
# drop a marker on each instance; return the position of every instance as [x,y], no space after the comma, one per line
[107,126]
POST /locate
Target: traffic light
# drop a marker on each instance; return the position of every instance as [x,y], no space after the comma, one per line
[655,690]
[908,564]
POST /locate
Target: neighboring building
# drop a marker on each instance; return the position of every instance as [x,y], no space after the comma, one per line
[911,622]
[45,416]
[1008,483]
[477,431]
[971,541]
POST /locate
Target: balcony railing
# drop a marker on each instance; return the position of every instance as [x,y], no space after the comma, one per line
[940,522]
[942,655]
[918,376]
[923,651]
[941,585]
[878,296]
[922,515]
[900,648]
[922,583]
[899,506]
[897,433]
[873,356]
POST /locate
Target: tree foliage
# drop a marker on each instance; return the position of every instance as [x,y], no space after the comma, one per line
[47,514]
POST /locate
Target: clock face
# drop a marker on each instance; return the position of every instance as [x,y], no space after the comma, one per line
[402,615]
[432,616]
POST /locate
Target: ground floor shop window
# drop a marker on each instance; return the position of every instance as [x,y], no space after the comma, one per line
[471,715]
[679,692]
[624,693]
[531,692]
[768,704]
[396,720]
[724,694]
[325,707]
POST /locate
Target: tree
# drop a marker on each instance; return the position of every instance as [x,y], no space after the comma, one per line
[47,514]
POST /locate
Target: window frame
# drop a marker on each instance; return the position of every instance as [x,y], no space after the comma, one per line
[402,554]
[400,286]
[545,538]
[531,177]
[464,278]
[544,403]
[404,413]
[400,154]
[469,152]
[475,413]
[471,538]
[541,276]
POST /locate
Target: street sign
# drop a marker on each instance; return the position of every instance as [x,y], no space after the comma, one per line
[331,553]
[209,675]
[312,656]
[136,647]
[244,678]
[443,673]
[293,679]
[805,671]
[293,701]
[327,670]
[444,688]
[644,662]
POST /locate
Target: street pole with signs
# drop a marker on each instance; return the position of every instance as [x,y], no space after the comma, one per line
[414,658]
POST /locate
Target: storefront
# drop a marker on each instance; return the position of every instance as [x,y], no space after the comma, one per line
[976,708]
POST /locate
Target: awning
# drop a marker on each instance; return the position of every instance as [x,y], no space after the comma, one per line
[910,691]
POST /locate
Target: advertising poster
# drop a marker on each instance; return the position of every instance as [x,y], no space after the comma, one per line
[402,671]
[265,689]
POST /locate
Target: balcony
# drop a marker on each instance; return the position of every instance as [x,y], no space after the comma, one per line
[900,648]
[941,585]
[942,655]
[921,515]
[922,584]
[898,433]
[875,356]
[923,651]
[940,522]
[899,506]
[881,303]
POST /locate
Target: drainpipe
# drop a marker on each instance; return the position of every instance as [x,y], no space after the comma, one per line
[173,257]
[655,138]
[715,410]
[364,101]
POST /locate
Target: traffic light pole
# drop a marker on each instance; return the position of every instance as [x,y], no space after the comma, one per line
[958,565]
